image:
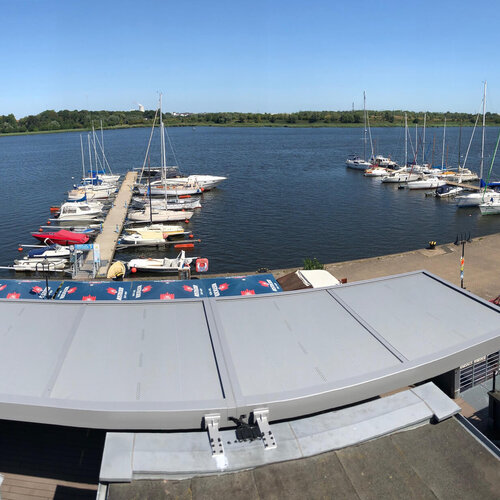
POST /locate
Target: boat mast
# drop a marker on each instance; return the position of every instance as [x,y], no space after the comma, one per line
[444,139]
[406,141]
[459,144]
[416,143]
[95,151]
[83,157]
[90,154]
[163,155]
[482,139]
[364,121]
[423,141]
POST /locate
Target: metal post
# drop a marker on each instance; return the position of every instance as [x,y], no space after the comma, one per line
[462,241]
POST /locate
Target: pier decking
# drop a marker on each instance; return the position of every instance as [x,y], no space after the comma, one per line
[111,229]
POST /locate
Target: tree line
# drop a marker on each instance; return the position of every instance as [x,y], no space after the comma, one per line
[51,120]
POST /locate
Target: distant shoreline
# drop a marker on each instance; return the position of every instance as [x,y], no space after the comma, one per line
[244,125]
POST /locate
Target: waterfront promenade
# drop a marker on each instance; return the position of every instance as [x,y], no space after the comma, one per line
[482,265]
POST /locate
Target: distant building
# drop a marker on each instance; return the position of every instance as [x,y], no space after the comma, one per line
[174,113]
[141,108]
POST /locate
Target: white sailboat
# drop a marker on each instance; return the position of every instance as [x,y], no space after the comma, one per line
[403,174]
[176,203]
[160,214]
[477,198]
[354,161]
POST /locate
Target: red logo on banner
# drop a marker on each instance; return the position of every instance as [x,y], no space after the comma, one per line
[167,296]
[37,289]
[247,292]
[146,289]
[72,290]
[111,291]
[263,283]
[223,286]
[2,287]
[188,288]
[13,295]
[88,298]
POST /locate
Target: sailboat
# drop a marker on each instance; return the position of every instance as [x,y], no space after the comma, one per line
[479,197]
[403,174]
[429,181]
[162,214]
[354,161]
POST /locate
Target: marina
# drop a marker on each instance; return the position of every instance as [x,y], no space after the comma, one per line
[336,199]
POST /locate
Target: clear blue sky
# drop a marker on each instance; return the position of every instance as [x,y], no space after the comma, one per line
[250,56]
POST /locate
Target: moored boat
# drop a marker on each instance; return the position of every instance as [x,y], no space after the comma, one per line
[76,210]
[62,237]
[31,265]
[426,183]
[164,265]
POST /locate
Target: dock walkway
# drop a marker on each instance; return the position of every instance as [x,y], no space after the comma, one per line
[111,229]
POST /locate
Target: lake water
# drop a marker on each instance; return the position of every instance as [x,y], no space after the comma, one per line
[288,195]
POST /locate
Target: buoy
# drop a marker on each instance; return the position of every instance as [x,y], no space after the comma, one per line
[184,245]
[202,190]
[40,230]
[54,209]
[48,222]
[187,221]
[20,249]
[134,270]
[191,236]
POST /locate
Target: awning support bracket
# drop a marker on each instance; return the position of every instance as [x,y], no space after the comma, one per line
[260,417]
[212,425]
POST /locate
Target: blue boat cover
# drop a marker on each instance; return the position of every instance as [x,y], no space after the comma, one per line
[490,184]
[39,251]
[27,289]
[94,290]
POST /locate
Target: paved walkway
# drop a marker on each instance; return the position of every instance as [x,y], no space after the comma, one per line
[482,265]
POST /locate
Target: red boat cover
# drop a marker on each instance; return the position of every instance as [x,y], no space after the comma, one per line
[62,237]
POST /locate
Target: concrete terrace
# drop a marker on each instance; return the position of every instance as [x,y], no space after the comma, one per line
[481,275]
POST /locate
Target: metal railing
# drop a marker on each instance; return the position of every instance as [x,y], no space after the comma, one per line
[478,371]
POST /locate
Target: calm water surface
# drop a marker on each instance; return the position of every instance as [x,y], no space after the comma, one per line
[288,195]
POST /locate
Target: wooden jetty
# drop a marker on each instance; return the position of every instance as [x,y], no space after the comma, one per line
[467,187]
[111,229]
